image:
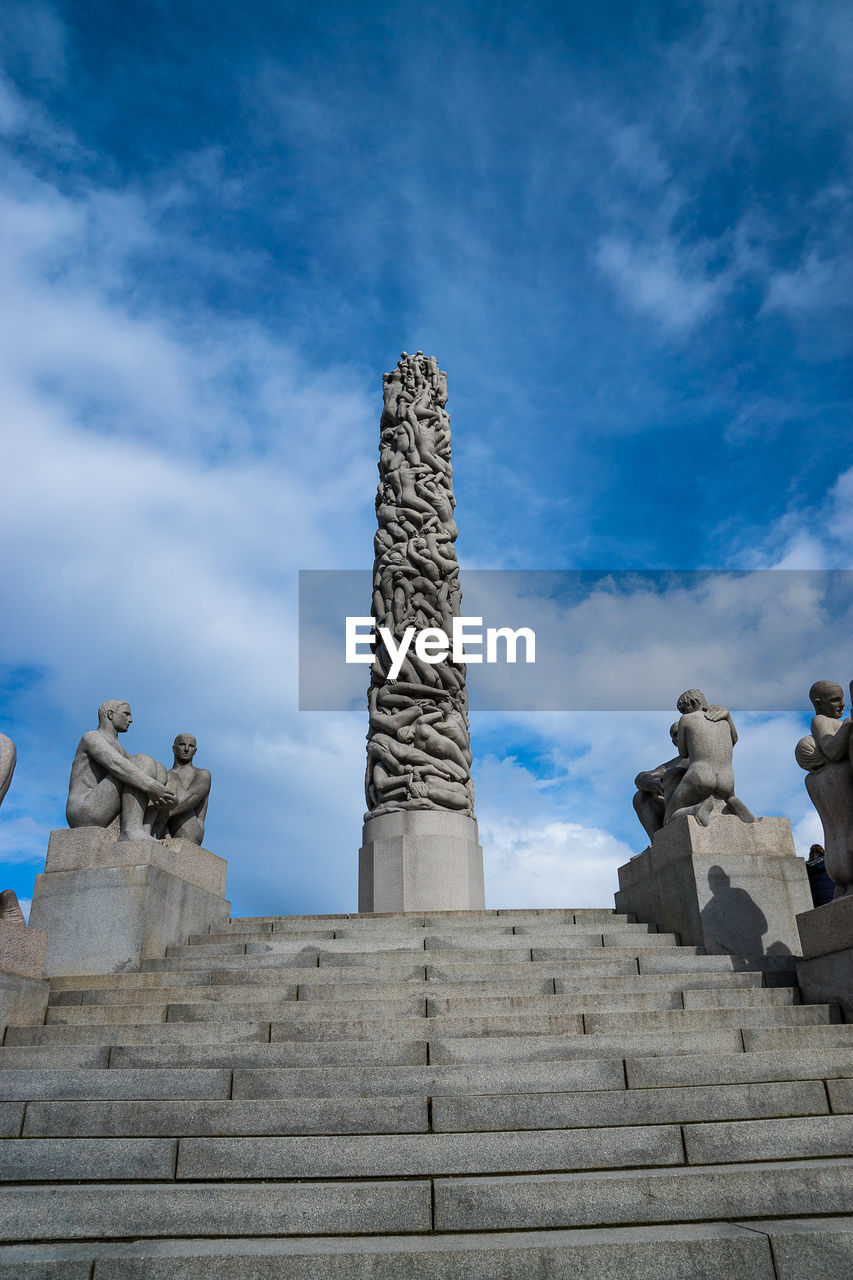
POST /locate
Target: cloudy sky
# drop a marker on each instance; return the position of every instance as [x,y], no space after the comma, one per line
[624,229]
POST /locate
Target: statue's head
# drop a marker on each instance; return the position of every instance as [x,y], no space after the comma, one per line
[406,734]
[691,700]
[827,698]
[673,732]
[184,747]
[116,713]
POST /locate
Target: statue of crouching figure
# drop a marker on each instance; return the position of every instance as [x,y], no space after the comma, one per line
[108,783]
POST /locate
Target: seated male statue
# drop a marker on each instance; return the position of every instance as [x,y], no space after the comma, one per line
[185,819]
[107,782]
[706,739]
[827,756]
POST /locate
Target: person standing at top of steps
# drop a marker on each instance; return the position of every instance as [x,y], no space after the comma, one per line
[107,782]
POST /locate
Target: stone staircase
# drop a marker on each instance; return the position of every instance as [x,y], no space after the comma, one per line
[463,1094]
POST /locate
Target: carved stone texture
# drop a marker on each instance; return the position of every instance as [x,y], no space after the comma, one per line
[418,743]
[8,760]
[826,754]
[107,783]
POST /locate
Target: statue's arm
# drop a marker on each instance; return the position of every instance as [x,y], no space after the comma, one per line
[102,751]
[832,737]
[193,796]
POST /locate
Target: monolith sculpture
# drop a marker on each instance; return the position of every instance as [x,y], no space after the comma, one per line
[420,847]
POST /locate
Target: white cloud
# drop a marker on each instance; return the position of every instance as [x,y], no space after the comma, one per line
[659,280]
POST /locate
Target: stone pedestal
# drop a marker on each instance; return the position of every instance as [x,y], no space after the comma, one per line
[733,887]
[23,992]
[108,906]
[825,973]
[420,860]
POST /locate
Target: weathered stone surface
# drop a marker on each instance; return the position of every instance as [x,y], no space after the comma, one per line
[419,858]
[232,1117]
[819,1250]
[789,1139]
[841,1094]
[835,1035]
[71,1084]
[500,1077]
[11,1119]
[545,1048]
[729,1068]
[289,1056]
[701,1251]
[85,1159]
[22,1000]
[732,887]
[130,913]
[699,1019]
[153,1033]
[88,848]
[829,978]
[21,950]
[659,1195]
[828,928]
[629,1107]
[412,1155]
[124,1211]
[13,1058]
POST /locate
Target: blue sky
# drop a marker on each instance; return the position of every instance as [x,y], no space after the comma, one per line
[624,230]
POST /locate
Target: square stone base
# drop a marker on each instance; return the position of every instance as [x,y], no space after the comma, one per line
[825,973]
[84,848]
[421,860]
[108,905]
[733,887]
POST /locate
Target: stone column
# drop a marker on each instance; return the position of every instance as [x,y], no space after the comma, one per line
[420,848]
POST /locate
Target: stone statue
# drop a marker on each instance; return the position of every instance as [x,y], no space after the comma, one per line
[826,754]
[108,783]
[706,737]
[418,750]
[8,760]
[10,908]
[655,788]
[185,819]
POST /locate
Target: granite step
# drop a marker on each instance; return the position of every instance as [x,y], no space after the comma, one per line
[514,1112]
[316,984]
[686,1193]
[704,1251]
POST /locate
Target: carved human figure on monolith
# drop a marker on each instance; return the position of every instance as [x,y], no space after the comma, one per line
[655,788]
[185,819]
[108,783]
[8,760]
[418,754]
[826,754]
[706,738]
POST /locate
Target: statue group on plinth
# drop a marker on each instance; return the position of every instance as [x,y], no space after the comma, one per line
[148,801]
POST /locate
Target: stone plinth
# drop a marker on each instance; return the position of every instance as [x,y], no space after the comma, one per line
[23,994]
[86,848]
[826,971]
[733,887]
[107,906]
[21,950]
[420,860]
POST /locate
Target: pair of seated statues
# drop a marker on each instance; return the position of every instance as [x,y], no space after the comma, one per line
[149,801]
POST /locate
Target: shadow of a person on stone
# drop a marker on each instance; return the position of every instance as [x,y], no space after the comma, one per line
[732,922]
